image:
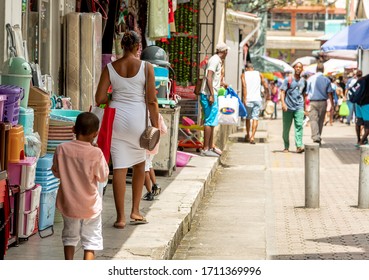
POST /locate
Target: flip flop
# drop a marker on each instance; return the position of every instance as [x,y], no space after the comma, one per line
[139,221]
[252,142]
[119,225]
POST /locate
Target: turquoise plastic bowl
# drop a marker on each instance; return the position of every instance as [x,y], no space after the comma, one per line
[70,114]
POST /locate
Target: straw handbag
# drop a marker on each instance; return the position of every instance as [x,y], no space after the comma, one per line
[151,135]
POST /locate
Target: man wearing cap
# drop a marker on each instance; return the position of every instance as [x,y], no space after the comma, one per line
[209,98]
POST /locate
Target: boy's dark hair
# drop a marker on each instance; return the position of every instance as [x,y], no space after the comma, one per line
[86,124]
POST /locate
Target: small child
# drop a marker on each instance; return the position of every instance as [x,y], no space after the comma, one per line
[80,166]
[149,171]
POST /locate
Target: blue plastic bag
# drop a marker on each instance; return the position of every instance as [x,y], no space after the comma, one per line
[241,110]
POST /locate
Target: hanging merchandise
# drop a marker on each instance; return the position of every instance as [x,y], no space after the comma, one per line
[172,26]
[182,46]
[158,19]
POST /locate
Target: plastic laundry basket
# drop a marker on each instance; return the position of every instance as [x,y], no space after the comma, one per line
[11,105]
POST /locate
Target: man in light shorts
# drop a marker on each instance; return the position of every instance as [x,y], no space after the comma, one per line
[80,166]
[251,91]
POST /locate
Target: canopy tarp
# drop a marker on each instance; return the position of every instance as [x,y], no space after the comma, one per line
[352,37]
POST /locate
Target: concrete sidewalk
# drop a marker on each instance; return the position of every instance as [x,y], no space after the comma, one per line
[336,230]
[169,216]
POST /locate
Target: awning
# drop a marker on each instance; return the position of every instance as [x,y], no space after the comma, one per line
[352,37]
[250,24]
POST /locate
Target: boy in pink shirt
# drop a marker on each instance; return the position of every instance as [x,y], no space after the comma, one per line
[80,166]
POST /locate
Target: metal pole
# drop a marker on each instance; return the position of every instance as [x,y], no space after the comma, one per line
[364,178]
[312,175]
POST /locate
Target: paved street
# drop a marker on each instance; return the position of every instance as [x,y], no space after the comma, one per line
[256,209]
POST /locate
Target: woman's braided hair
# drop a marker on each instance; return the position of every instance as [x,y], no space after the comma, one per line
[130,39]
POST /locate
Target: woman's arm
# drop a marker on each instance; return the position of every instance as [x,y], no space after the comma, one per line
[101,96]
[152,101]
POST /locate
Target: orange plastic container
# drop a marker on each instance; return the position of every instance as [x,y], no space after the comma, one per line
[16,144]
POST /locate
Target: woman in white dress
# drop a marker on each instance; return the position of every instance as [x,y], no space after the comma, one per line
[128,80]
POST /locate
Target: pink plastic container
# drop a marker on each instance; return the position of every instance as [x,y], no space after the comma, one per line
[23,173]
[183,158]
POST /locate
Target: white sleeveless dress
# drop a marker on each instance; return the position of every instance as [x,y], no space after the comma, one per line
[129,102]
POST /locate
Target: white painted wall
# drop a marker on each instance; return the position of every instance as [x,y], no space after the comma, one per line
[10,12]
[232,63]
[363,61]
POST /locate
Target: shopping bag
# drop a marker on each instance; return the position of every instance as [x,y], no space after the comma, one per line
[269,107]
[106,116]
[242,112]
[228,110]
[344,109]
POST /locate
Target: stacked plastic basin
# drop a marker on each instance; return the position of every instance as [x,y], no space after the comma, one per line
[49,188]
[10,96]
[39,100]
[61,127]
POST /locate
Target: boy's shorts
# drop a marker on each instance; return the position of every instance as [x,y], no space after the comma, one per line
[253,110]
[89,231]
[210,111]
[362,115]
[148,162]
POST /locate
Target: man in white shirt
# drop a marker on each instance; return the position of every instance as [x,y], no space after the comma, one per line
[251,91]
[209,97]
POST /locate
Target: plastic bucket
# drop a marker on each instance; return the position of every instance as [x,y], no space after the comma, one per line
[23,81]
[16,144]
[26,118]
[41,125]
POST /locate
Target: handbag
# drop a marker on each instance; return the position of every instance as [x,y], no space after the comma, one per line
[198,86]
[106,116]
[151,135]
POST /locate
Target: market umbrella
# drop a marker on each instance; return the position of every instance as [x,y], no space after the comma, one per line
[305,60]
[333,66]
[352,37]
[265,64]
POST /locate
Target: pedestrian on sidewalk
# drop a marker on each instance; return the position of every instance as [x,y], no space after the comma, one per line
[362,111]
[209,98]
[128,79]
[252,81]
[78,198]
[293,99]
[319,89]
[352,79]
[150,179]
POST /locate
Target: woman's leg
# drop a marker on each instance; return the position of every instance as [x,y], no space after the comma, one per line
[138,178]
[287,121]
[119,191]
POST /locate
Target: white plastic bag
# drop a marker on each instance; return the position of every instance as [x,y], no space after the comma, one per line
[228,110]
